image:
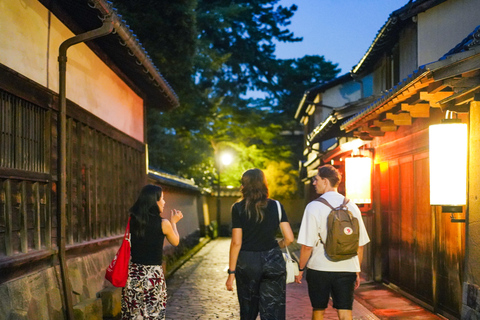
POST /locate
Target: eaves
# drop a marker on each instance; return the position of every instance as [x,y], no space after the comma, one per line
[331,126]
[388,34]
[172,180]
[311,93]
[448,84]
[120,50]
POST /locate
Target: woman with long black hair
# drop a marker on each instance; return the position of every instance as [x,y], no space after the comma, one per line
[145,294]
[256,260]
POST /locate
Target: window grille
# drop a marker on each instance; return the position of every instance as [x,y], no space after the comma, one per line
[22,134]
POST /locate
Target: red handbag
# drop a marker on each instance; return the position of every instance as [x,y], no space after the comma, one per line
[117,271]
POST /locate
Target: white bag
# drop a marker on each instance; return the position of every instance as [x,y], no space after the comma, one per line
[291,265]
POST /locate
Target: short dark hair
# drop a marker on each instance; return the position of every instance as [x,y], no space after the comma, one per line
[331,173]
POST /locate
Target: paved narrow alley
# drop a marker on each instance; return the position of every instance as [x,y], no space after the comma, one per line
[197,290]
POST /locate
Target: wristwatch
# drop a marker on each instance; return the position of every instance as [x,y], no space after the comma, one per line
[231,271]
[302,269]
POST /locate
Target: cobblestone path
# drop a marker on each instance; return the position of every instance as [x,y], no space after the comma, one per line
[197,290]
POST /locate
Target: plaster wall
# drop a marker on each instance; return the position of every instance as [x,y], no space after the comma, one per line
[23,46]
[341,94]
[188,204]
[408,52]
[31,37]
[442,27]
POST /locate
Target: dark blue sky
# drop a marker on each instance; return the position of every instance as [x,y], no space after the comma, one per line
[340,30]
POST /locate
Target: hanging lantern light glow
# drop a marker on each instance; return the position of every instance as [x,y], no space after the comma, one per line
[358,179]
[448,164]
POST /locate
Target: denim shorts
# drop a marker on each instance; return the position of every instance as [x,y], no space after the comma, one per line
[322,284]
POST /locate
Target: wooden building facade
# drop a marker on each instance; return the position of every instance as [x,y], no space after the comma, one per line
[53,253]
[416,248]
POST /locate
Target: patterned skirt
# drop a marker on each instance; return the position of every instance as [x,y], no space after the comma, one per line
[145,294]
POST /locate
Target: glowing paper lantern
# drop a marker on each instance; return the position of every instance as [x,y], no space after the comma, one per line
[448,164]
[358,178]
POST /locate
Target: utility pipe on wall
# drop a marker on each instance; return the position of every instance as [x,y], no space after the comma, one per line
[105,29]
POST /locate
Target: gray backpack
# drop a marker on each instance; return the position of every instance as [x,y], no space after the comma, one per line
[342,232]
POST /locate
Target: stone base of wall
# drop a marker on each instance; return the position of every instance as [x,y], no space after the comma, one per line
[471,302]
[39,295]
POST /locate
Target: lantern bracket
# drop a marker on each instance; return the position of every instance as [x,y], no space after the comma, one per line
[454,220]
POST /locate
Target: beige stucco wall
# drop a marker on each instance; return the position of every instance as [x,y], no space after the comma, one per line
[29,45]
[444,26]
[408,51]
[188,204]
[341,94]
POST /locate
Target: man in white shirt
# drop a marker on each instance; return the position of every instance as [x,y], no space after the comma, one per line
[325,277]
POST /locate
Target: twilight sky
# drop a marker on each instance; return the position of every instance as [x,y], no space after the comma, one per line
[340,30]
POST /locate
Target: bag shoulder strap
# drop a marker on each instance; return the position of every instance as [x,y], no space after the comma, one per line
[127,235]
[325,202]
[280,221]
[279,211]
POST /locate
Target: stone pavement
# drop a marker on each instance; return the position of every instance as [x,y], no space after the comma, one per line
[197,291]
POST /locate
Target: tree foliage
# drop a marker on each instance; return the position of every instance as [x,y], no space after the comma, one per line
[213,52]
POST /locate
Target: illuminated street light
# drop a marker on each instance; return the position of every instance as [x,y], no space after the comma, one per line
[226,158]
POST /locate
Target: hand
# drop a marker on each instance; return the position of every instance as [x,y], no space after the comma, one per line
[175,215]
[357,281]
[298,279]
[229,282]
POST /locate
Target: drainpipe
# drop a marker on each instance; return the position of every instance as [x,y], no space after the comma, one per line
[105,29]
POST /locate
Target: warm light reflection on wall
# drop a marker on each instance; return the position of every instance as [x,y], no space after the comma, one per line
[448,164]
[358,179]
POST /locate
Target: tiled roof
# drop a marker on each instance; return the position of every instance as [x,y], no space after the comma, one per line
[470,41]
[388,33]
[123,50]
[172,180]
[330,127]
[311,93]
[410,80]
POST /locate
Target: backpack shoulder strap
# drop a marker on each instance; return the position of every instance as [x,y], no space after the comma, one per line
[325,202]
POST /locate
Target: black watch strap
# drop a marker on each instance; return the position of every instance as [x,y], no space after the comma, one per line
[231,271]
[302,269]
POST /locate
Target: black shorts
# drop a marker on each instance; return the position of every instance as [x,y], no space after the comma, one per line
[322,284]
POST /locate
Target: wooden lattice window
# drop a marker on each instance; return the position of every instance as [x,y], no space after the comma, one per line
[22,134]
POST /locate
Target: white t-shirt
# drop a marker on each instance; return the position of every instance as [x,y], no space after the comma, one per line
[314,221]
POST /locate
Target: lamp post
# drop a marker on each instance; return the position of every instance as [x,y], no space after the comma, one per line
[225,159]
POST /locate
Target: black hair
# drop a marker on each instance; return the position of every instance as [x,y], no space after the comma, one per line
[145,206]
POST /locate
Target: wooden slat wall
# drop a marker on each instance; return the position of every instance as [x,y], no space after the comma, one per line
[102,183]
[104,177]
[421,247]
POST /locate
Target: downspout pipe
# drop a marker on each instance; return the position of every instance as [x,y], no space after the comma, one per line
[105,29]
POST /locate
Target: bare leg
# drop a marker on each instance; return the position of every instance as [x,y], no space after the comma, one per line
[318,314]
[344,314]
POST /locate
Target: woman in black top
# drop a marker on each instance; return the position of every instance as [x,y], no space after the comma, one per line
[256,260]
[145,294]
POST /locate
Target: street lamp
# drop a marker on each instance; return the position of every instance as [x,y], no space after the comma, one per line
[225,158]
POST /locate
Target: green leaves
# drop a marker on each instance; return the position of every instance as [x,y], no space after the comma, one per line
[213,52]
